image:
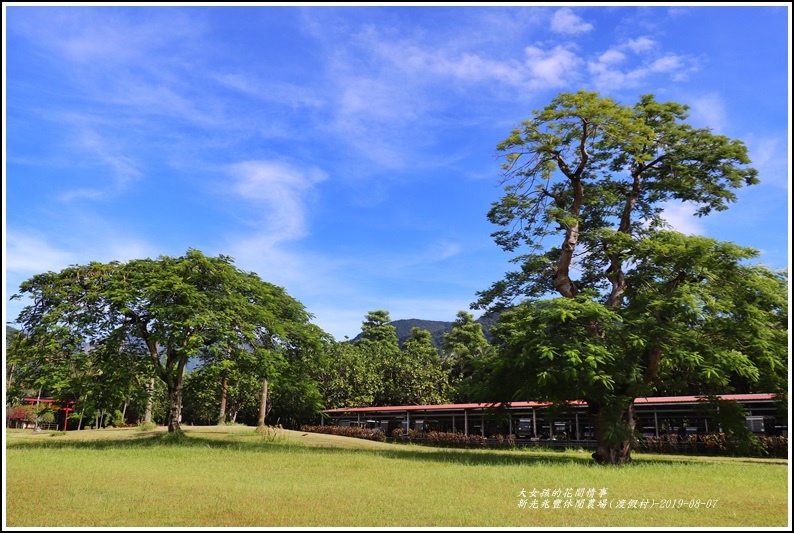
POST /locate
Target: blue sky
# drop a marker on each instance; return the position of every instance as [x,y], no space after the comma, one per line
[348,154]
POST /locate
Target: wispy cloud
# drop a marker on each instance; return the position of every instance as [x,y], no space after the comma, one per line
[105,35]
[681,217]
[708,111]
[565,21]
[551,68]
[30,253]
[278,192]
[613,70]
[640,45]
[121,167]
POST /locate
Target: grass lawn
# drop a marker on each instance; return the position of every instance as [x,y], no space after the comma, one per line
[232,476]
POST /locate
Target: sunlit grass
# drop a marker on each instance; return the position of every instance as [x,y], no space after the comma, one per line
[232,476]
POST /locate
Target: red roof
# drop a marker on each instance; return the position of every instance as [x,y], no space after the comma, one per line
[458,406]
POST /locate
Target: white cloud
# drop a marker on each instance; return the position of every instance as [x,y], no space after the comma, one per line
[708,111]
[681,217]
[640,45]
[552,68]
[772,159]
[104,34]
[28,253]
[607,77]
[612,56]
[280,191]
[565,21]
[123,169]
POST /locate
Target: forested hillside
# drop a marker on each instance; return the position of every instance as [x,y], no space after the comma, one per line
[437,328]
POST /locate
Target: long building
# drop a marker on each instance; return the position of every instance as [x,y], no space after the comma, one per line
[683,415]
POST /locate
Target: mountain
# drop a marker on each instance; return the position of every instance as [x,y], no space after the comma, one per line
[437,329]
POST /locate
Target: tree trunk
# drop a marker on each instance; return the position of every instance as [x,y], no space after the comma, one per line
[175,397]
[124,411]
[263,404]
[149,401]
[36,423]
[613,451]
[173,411]
[224,391]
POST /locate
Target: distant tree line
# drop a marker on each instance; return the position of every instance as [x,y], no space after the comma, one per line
[133,343]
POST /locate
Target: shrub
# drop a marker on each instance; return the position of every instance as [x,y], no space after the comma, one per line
[22,413]
[115,419]
[347,431]
[147,426]
[717,444]
[455,440]
[46,416]
[415,435]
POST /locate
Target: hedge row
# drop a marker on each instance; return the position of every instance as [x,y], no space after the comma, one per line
[348,431]
[454,440]
[716,444]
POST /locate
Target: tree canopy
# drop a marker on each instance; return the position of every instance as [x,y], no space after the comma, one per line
[172,308]
[637,303]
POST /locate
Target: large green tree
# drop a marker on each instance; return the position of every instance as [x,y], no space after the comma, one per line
[409,376]
[350,377]
[585,183]
[177,307]
[462,348]
[423,379]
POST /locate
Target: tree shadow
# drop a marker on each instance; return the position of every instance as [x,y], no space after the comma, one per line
[410,452]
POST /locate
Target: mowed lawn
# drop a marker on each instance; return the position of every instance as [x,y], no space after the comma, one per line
[232,476]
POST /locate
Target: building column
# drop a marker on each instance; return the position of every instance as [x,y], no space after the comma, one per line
[534,424]
[578,435]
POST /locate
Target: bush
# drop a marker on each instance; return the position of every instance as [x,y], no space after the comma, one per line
[22,413]
[115,419]
[455,440]
[147,426]
[46,416]
[347,431]
[716,444]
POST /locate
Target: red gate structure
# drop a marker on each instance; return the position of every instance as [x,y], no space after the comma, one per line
[55,405]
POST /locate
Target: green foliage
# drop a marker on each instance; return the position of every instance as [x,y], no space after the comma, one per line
[46,416]
[350,378]
[409,376]
[641,308]
[463,347]
[154,316]
[22,413]
[147,426]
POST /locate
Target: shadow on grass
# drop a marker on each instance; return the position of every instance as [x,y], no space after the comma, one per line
[477,457]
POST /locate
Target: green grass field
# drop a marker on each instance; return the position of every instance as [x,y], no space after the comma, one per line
[232,476]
